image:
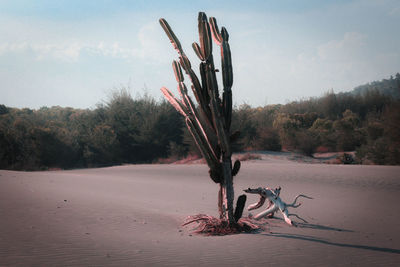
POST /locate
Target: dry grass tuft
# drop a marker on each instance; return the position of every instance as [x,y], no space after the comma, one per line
[211,226]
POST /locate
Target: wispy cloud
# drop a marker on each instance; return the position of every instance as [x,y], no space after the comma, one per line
[43,41]
[149,48]
[344,49]
[395,11]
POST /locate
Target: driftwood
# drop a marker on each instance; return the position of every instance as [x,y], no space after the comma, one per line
[275,203]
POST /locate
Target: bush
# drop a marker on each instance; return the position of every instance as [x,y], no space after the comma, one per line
[307,142]
[267,139]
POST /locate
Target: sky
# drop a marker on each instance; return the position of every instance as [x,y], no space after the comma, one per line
[75,53]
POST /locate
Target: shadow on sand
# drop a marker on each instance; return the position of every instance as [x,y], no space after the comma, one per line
[321,227]
[321,241]
[310,226]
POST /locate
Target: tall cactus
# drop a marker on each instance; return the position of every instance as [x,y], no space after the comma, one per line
[209,122]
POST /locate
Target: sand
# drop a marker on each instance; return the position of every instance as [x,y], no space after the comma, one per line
[131,216]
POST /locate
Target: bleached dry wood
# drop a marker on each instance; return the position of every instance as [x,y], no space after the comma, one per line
[275,203]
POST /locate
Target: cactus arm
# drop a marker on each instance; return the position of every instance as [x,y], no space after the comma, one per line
[215,31]
[198,52]
[218,119]
[227,105]
[196,88]
[224,34]
[178,76]
[184,96]
[171,35]
[194,116]
[226,60]
[227,78]
[177,71]
[204,36]
[221,38]
[202,144]
[184,61]
[236,167]
[203,76]
[174,101]
[212,164]
[204,89]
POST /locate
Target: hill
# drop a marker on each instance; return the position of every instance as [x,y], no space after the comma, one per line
[388,87]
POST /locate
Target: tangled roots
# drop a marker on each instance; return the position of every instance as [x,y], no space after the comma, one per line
[208,225]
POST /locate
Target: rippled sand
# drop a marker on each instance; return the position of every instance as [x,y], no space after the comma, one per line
[131,216]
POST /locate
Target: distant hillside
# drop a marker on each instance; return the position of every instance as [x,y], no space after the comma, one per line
[388,87]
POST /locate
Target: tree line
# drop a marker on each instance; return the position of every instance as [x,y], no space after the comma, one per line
[123,130]
[142,130]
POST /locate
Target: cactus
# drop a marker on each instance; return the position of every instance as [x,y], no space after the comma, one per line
[209,122]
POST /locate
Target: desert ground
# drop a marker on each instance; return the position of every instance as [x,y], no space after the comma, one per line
[131,215]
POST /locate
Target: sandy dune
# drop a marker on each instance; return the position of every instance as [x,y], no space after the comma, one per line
[131,216]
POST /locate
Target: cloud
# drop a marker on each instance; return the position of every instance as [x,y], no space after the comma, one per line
[112,50]
[274,75]
[338,64]
[342,64]
[71,51]
[13,48]
[65,52]
[149,46]
[146,44]
[395,12]
[344,49]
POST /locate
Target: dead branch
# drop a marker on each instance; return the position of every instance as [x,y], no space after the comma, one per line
[275,203]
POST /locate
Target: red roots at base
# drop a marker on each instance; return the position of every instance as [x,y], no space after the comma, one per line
[208,225]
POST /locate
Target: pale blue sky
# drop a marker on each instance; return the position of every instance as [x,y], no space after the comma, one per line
[72,53]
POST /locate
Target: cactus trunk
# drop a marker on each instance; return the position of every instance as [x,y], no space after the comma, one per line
[226,192]
[208,122]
